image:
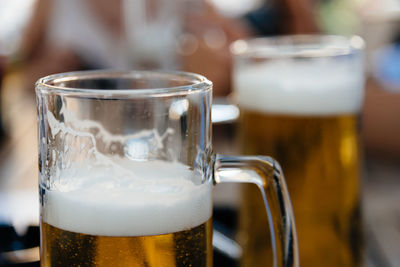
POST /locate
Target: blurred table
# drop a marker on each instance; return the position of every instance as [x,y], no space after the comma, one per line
[19,179]
[382,212]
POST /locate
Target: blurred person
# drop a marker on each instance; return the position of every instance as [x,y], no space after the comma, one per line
[211,57]
[66,35]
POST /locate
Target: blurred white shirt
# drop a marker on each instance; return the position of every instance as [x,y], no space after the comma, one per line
[72,25]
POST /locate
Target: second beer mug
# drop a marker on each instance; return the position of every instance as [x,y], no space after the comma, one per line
[127,169]
[299,98]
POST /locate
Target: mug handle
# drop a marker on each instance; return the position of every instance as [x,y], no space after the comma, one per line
[267,175]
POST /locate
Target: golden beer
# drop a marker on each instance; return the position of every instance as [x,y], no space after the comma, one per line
[320,158]
[131,214]
[299,98]
[190,247]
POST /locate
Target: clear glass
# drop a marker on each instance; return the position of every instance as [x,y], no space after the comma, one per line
[127,169]
[300,99]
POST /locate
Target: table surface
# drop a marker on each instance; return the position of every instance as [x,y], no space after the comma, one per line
[18,182]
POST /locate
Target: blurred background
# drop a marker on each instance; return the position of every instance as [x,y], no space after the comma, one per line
[42,37]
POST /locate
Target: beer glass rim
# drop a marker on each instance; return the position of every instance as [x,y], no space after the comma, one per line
[298,46]
[55,83]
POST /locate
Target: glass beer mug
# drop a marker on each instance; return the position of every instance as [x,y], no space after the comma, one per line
[300,98]
[127,170]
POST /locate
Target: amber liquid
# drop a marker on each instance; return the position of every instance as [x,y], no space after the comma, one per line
[320,159]
[192,247]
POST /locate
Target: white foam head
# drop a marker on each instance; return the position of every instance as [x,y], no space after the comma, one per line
[133,199]
[302,87]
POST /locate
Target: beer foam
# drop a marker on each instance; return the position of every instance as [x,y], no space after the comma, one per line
[89,187]
[309,87]
[139,198]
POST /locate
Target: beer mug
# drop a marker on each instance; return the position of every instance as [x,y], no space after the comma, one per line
[299,99]
[127,170]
